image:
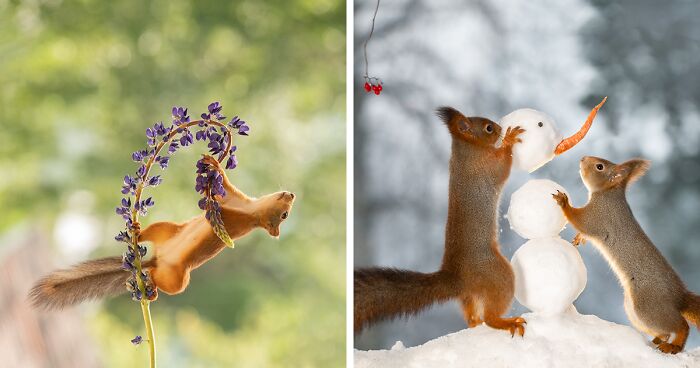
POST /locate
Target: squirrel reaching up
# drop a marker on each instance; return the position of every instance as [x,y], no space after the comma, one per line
[473,269]
[656,300]
[178,249]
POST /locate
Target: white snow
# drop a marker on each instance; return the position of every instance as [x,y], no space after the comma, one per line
[570,340]
[538,142]
[549,275]
[533,213]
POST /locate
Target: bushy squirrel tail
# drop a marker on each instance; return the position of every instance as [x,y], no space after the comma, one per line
[691,312]
[385,293]
[95,279]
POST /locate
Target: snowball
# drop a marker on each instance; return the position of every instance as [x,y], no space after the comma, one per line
[549,275]
[538,142]
[533,213]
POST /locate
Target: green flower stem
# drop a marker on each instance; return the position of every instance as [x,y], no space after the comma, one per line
[135,232]
[146,310]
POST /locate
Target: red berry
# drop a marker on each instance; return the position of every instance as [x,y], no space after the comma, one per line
[368,87]
[377,89]
[380,88]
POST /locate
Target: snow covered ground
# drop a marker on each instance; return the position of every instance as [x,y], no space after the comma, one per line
[568,340]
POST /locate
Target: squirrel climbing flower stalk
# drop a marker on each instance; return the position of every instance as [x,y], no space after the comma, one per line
[209,183]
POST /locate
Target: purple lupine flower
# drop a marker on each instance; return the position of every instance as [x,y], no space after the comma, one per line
[201,135]
[154,181]
[123,236]
[129,184]
[160,129]
[235,122]
[128,259]
[140,173]
[186,139]
[142,250]
[123,212]
[232,162]
[163,161]
[137,340]
[202,203]
[239,124]
[138,156]
[126,202]
[180,115]
[131,284]
[214,109]
[173,147]
[137,295]
[151,292]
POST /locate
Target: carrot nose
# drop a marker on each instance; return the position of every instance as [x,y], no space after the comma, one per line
[568,143]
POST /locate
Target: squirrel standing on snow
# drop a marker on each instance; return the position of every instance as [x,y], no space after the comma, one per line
[656,300]
[179,249]
[473,269]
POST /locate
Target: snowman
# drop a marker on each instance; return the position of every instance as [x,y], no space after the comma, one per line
[549,272]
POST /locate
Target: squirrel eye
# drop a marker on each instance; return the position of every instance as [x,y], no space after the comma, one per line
[540,124]
[599,167]
[488,128]
[284,215]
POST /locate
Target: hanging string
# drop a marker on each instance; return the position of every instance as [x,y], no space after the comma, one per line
[371,83]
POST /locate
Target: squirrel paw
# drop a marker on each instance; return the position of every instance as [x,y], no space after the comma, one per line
[511,136]
[561,198]
[513,325]
[579,239]
[517,325]
[211,161]
[668,348]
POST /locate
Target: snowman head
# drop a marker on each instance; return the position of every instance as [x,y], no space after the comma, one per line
[541,140]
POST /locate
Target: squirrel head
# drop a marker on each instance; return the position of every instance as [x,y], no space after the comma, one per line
[599,174]
[274,210]
[477,130]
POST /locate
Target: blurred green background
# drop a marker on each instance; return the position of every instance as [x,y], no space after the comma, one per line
[79,83]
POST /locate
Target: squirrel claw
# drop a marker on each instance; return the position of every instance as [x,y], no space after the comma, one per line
[561,198]
[211,161]
[511,136]
[517,326]
[668,348]
[579,239]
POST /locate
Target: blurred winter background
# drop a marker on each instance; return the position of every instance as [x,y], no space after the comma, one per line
[79,83]
[491,57]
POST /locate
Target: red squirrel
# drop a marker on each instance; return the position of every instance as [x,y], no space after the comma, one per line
[178,249]
[473,269]
[656,300]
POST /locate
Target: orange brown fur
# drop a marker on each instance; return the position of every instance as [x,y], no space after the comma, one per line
[473,269]
[656,300]
[178,249]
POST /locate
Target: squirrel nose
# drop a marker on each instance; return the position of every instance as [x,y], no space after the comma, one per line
[291,195]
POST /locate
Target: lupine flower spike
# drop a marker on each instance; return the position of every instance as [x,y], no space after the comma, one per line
[161,143]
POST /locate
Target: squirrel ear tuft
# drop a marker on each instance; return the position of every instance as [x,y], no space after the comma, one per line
[446,114]
[633,169]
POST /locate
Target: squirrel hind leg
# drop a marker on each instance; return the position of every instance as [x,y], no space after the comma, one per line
[678,343]
[159,232]
[170,280]
[473,311]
